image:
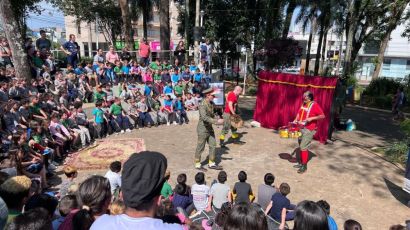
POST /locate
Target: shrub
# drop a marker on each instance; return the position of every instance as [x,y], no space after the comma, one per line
[382,87]
[397,152]
[384,102]
[252,90]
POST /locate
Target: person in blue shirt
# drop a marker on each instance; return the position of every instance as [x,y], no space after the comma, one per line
[179,109]
[168,89]
[280,208]
[125,69]
[174,77]
[71,48]
[326,207]
[79,70]
[193,67]
[198,76]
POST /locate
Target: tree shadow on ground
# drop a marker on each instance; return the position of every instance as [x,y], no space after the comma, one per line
[372,123]
[398,193]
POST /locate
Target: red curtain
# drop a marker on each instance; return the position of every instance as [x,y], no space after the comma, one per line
[279,98]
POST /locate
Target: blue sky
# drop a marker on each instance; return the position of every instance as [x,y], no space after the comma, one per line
[50,17]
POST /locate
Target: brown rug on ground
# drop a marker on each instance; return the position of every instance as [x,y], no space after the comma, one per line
[107,151]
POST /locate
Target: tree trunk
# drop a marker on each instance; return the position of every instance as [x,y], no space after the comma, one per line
[145,12]
[351,24]
[323,30]
[324,50]
[272,16]
[308,52]
[340,55]
[164,28]
[186,30]
[380,56]
[289,15]
[15,40]
[126,20]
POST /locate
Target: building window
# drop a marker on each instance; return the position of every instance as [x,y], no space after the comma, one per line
[408,65]
[386,64]
[78,28]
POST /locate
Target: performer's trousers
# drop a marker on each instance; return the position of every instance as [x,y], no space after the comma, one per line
[203,138]
[304,142]
[227,124]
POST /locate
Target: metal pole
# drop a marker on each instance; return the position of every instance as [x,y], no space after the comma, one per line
[197,12]
[245,72]
[97,31]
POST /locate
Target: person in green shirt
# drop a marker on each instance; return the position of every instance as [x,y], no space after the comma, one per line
[166,190]
[120,119]
[179,89]
[100,95]
[154,66]
[15,191]
[36,111]
[117,70]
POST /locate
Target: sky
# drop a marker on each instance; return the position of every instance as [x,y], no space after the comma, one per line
[50,17]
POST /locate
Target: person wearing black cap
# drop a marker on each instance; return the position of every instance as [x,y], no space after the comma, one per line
[142,179]
[206,131]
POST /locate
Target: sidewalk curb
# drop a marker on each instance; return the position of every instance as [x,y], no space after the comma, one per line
[371,109]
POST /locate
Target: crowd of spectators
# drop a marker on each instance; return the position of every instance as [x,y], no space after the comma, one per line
[43,121]
[139,194]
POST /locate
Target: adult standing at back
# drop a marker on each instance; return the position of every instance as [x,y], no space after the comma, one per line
[111,56]
[43,44]
[179,52]
[71,48]
[144,51]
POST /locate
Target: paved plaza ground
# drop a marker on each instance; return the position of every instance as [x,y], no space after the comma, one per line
[357,183]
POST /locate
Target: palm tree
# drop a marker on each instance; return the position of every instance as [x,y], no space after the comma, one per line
[308,16]
[291,6]
[126,20]
[324,20]
[165,34]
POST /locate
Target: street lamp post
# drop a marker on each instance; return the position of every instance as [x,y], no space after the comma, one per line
[202,18]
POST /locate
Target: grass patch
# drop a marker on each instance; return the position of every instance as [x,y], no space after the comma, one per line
[396,153]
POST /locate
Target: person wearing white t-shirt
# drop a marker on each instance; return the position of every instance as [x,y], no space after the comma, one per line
[114,176]
[200,194]
[220,192]
[142,180]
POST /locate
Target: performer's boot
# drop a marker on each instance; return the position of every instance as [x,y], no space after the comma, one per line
[222,140]
[235,139]
[302,169]
[213,165]
[199,166]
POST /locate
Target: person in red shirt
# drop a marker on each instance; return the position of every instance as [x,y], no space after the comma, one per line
[308,115]
[144,51]
[231,108]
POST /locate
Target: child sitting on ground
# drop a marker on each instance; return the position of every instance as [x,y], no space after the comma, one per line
[200,194]
[67,205]
[114,177]
[280,205]
[242,191]
[117,207]
[71,173]
[166,190]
